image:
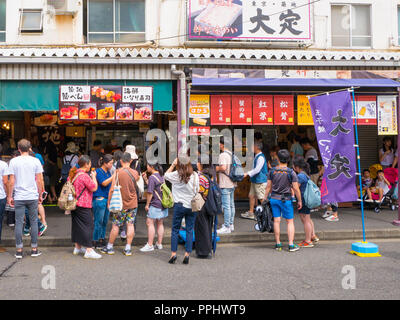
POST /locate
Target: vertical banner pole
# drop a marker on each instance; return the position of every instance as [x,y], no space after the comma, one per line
[397,222]
[355,113]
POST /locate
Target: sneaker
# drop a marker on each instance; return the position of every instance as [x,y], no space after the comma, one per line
[224,230]
[11,225]
[26,233]
[78,251]
[293,248]
[159,246]
[42,229]
[127,252]
[98,245]
[332,218]
[232,228]
[19,254]
[36,253]
[92,255]
[315,239]
[278,247]
[305,244]
[147,248]
[326,214]
[248,215]
[123,235]
[105,250]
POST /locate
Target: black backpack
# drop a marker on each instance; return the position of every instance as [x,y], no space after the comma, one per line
[265,219]
[213,204]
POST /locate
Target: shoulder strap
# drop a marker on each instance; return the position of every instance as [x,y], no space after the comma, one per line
[132,177]
[155,189]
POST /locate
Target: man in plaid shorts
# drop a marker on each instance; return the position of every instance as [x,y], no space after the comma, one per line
[126,178]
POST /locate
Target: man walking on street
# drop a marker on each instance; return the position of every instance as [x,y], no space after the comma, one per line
[258,178]
[26,180]
[281,181]
[127,178]
[227,189]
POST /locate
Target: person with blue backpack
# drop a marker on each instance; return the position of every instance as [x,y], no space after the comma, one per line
[302,169]
[258,178]
[281,181]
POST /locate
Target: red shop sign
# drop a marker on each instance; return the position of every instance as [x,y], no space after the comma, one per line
[199,131]
[242,113]
[220,110]
[263,110]
[284,109]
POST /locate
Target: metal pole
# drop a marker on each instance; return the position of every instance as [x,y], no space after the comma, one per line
[358,163]
[397,222]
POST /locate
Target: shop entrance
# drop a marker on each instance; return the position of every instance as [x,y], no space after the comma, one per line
[106,136]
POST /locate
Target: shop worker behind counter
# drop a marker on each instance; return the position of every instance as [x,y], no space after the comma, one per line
[25,193]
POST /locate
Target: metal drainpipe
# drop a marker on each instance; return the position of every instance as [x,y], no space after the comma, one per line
[182,123]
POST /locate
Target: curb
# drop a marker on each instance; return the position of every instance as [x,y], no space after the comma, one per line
[237,237]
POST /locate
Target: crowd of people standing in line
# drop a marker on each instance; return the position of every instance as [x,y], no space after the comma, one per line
[279,176]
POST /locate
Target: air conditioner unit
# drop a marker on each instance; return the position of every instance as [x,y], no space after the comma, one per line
[64,7]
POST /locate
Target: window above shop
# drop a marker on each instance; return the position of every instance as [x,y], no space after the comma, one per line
[115,21]
[2,20]
[351,26]
[31,20]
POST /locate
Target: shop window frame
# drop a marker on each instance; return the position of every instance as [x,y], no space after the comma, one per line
[30,30]
[351,7]
[114,33]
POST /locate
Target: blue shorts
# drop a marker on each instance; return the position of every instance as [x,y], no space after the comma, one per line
[282,209]
[157,213]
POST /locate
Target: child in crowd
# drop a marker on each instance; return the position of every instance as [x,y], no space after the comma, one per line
[380,187]
[366,181]
[274,158]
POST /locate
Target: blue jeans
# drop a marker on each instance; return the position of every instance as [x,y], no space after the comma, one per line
[228,205]
[190,217]
[101,215]
[2,210]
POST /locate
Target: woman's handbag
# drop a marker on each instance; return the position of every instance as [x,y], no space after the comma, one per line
[116,204]
[198,200]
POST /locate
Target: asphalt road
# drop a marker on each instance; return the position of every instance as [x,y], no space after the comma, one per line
[241,271]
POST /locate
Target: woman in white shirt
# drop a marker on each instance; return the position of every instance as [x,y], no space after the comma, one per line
[185,183]
[386,154]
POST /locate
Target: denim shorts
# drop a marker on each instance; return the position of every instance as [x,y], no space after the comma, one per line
[282,208]
[157,213]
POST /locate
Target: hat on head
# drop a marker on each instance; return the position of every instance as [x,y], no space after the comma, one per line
[132,151]
[72,147]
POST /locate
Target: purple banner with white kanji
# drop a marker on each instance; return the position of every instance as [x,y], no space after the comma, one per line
[333,123]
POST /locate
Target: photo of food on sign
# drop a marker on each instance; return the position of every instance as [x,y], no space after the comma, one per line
[69,110]
[124,111]
[143,112]
[87,111]
[106,111]
[106,94]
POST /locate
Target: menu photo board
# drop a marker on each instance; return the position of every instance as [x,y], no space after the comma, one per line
[199,115]
[387,115]
[366,110]
[106,103]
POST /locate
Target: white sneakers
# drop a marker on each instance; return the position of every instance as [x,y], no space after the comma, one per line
[147,248]
[224,230]
[326,214]
[92,255]
[232,228]
[78,251]
[332,218]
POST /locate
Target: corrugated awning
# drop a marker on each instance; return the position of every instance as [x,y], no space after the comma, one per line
[260,82]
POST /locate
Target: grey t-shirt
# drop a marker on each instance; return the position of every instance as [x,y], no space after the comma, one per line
[281,183]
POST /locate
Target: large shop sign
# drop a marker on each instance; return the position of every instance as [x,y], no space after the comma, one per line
[288,20]
[106,103]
